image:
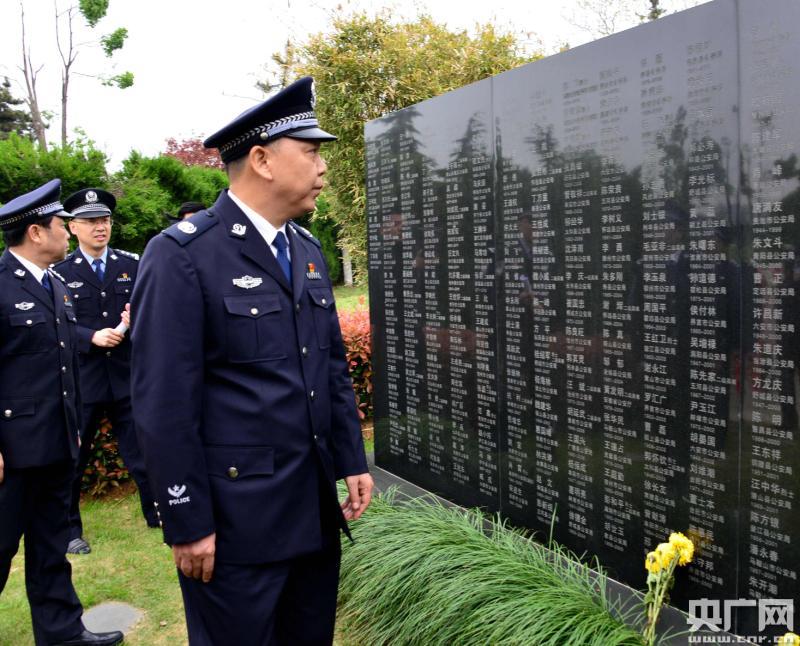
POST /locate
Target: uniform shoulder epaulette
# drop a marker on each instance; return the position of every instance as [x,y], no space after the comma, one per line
[129,254]
[185,231]
[305,233]
[57,275]
[62,262]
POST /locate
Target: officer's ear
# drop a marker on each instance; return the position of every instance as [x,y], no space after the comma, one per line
[261,160]
[35,233]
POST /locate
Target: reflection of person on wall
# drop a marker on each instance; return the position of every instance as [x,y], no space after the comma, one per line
[525,246]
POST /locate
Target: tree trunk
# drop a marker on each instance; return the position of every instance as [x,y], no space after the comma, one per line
[64,94]
[347,266]
[32,99]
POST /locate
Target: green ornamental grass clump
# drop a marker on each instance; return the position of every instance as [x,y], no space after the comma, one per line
[425,574]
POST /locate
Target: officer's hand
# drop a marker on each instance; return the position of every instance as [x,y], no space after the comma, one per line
[196,560]
[125,315]
[107,338]
[359,495]
[2,468]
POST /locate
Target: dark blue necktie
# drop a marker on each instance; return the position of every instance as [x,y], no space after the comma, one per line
[98,268]
[283,257]
[47,284]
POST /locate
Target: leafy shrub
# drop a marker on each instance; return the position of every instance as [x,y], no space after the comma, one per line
[357,343]
[105,470]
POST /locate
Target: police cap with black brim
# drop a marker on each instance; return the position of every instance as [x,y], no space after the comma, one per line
[90,203]
[40,203]
[289,113]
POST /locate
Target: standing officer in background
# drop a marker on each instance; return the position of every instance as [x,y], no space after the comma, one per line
[100,280]
[187,210]
[241,392]
[39,414]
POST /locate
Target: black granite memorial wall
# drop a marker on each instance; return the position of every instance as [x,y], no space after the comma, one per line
[583,286]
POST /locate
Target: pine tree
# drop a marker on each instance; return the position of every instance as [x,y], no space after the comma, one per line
[12,119]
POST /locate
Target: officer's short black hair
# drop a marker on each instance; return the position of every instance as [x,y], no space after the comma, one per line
[16,236]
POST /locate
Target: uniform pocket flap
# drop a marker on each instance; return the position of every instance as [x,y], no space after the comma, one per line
[321,296]
[26,319]
[236,462]
[11,408]
[71,316]
[253,306]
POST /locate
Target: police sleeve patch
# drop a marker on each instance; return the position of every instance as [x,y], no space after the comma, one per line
[183,234]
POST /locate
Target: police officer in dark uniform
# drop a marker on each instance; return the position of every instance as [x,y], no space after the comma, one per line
[100,280]
[39,414]
[241,392]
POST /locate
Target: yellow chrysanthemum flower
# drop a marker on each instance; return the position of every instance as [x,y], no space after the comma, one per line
[666,553]
[684,547]
[652,564]
[789,639]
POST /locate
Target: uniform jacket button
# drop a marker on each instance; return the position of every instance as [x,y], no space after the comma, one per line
[233,473]
[108,354]
[312,394]
[63,368]
[28,322]
[7,412]
[304,351]
[297,307]
[254,310]
[61,343]
[105,314]
[103,294]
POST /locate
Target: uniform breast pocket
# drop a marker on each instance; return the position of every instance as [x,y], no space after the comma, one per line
[83,302]
[123,291]
[29,333]
[253,328]
[321,304]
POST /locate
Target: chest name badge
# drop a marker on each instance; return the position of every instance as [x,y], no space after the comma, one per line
[23,306]
[247,282]
[312,273]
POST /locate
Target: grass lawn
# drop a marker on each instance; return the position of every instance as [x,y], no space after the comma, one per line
[128,563]
[348,298]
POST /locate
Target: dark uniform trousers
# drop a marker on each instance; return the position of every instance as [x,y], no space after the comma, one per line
[39,420]
[105,372]
[247,417]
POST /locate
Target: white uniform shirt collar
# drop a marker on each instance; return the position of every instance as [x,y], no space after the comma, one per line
[262,225]
[90,259]
[38,272]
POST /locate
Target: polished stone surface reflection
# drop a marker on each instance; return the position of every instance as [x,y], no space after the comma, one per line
[583,280]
